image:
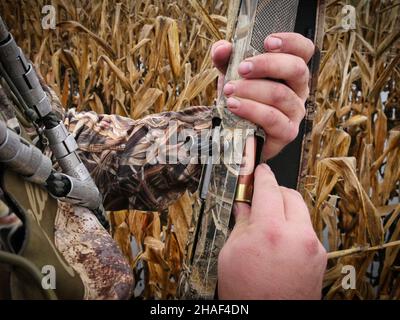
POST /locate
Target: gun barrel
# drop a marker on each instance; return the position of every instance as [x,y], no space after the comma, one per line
[23,157]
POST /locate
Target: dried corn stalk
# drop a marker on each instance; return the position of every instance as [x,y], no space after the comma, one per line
[352,187]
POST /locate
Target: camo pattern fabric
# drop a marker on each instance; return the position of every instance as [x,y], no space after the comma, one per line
[92,252]
[127,158]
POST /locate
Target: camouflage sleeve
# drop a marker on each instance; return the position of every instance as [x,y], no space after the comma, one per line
[133,162]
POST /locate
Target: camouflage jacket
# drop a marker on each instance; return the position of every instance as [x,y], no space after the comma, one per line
[127,158]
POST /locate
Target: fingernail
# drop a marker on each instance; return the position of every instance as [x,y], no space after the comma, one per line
[233,103]
[229,89]
[273,43]
[245,67]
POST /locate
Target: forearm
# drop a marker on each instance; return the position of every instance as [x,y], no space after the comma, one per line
[126,158]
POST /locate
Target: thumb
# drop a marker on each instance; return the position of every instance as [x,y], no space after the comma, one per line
[241,211]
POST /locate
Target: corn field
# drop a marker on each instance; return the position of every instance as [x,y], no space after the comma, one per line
[137,57]
[352,188]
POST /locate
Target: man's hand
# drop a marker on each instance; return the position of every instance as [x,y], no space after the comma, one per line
[276,107]
[273,251]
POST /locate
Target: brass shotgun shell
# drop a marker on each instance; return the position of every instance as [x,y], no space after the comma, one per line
[244,193]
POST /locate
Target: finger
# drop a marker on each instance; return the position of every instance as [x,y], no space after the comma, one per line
[275,124]
[291,43]
[220,54]
[280,66]
[296,210]
[270,93]
[267,205]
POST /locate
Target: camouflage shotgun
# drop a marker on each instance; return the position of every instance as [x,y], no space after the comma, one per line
[236,143]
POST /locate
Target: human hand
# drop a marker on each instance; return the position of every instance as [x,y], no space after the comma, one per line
[276,107]
[273,251]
